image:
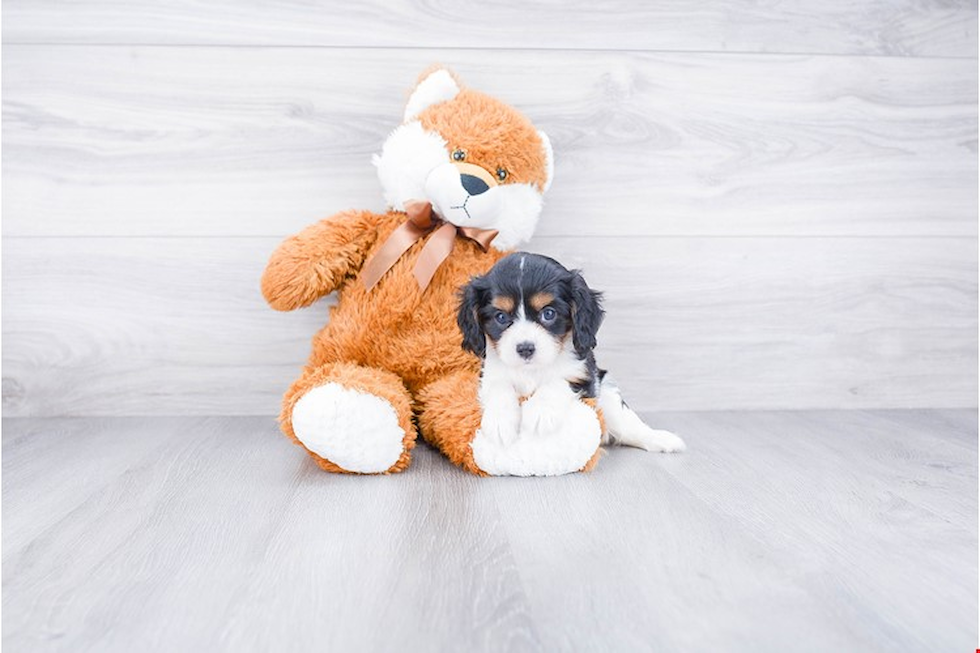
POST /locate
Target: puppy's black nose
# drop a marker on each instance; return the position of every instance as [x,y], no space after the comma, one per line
[473,184]
[525,350]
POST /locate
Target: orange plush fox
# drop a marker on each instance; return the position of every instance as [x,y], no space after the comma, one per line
[464,176]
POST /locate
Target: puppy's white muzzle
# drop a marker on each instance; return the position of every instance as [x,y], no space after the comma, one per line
[527,344]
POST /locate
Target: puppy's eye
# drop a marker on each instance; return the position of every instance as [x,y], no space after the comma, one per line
[548,314]
[501,318]
[501,174]
[459,155]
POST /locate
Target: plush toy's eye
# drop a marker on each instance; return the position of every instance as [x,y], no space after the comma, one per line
[501,174]
[548,315]
[459,155]
[501,317]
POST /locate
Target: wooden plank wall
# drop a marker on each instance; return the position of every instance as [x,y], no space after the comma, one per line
[779,199]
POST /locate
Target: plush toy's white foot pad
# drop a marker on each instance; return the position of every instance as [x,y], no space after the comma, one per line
[567,449]
[355,430]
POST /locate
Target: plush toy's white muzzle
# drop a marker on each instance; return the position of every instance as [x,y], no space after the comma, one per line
[414,164]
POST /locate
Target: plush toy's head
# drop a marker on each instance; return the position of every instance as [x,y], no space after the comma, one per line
[477,160]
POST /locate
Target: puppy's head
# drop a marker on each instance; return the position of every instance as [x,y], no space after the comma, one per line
[530,310]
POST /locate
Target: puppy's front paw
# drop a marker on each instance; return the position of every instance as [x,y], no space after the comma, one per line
[501,421]
[544,412]
[660,441]
[538,417]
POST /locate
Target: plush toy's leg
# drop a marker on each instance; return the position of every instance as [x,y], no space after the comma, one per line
[594,460]
[450,417]
[351,418]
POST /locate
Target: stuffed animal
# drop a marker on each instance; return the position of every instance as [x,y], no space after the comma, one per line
[463,176]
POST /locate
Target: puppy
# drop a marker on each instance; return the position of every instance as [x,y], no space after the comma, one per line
[534,323]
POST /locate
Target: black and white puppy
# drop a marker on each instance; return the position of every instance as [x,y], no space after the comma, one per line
[534,323]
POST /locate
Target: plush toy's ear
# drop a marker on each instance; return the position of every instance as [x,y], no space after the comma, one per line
[438,86]
[587,314]
[549,159]
[472,299]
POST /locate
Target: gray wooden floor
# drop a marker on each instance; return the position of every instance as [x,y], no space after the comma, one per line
[803,531]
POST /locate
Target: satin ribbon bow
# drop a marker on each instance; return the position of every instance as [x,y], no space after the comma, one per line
[421,222]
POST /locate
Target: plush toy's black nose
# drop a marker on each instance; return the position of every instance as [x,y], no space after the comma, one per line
[473,185]
[525,350]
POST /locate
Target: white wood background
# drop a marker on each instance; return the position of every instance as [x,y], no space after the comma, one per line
[779,199]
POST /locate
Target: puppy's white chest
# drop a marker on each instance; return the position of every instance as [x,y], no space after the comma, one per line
[550,433]
[524,384]
[526,380]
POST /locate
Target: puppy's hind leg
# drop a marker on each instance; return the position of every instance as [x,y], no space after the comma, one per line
[624,427]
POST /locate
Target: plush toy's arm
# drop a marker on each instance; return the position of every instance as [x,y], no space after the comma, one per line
[318,260]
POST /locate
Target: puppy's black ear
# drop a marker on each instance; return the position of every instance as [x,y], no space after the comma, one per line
[587,314]
[473,297]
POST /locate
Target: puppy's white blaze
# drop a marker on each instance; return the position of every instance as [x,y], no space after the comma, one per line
[623,426]
[520,284]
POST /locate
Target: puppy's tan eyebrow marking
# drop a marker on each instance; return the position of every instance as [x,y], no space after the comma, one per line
[505,304]
[541,299]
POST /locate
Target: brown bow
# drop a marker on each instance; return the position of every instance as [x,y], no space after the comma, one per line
[421,221]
